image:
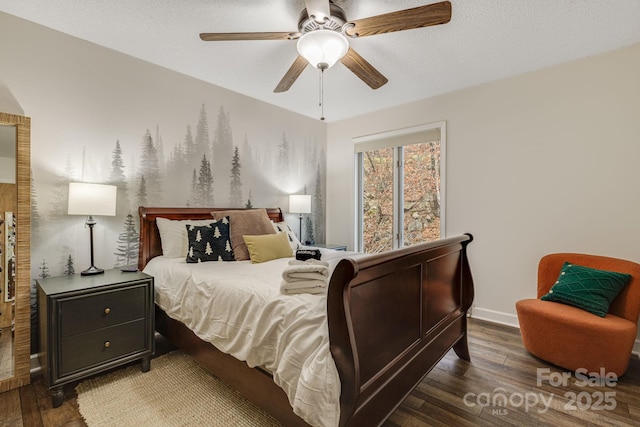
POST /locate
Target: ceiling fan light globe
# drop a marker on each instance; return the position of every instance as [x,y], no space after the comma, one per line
[324,47]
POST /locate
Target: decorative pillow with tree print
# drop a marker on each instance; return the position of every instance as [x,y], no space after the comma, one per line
[209,242]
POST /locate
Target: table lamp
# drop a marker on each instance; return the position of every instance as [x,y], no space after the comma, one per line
[92,199]
[300,203]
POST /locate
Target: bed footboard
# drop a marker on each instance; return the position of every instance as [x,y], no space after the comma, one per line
[392,317]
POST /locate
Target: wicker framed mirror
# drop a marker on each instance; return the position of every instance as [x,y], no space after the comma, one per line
[15,211]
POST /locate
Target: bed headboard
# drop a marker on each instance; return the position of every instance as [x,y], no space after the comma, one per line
[150,245]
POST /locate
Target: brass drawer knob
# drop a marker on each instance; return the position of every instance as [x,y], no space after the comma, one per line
[107,344]
[107,310]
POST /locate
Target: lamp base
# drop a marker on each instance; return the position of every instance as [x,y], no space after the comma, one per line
[300,228]
[91,271]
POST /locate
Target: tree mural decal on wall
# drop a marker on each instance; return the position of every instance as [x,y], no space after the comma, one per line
[203,195]
[119,179]
[128,241]
[202,169]
[222,148]
[141,195]
[235,185]
[178,171]
[202,142]
[69,269]
[159,146]
[150,171]
[193,190]
[309,235]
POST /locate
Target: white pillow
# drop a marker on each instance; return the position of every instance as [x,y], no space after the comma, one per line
[173,235]
[283,227]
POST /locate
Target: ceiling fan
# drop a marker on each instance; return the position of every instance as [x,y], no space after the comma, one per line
[323,32]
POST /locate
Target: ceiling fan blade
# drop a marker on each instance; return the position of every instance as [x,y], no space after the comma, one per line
[361,68]
[417,17]
[292,74]
[318,10]
[215,37]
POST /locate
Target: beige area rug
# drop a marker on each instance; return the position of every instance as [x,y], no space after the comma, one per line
[175,392]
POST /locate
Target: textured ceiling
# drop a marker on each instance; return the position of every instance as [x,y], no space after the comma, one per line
[486,40]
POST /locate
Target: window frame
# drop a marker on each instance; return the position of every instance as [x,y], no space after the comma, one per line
[397,139]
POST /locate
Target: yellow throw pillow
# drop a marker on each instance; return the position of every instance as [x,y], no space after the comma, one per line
[268,247]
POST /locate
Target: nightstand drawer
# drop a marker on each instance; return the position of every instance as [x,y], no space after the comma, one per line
[85,350]
[102,309]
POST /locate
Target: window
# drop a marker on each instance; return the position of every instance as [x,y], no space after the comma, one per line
[400,187]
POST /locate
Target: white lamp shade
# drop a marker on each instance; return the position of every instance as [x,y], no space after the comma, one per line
[323,47]
[92,199]
[300,203]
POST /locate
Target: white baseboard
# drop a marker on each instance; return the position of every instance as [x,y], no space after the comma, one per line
[495,316]
[512,320]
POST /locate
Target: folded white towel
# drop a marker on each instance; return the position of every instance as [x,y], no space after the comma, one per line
[309,287]
[311,276]
[306,270]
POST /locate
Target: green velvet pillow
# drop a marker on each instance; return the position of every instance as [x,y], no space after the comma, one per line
[587,288]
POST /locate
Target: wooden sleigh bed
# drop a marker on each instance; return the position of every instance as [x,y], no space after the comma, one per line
[391,318]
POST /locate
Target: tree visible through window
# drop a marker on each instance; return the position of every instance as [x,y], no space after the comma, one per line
[400,189]
[421,193]
[377,200]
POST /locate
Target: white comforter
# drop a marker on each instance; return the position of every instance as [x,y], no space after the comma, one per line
[237,306]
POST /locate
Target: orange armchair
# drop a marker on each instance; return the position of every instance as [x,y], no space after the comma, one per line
[573,338]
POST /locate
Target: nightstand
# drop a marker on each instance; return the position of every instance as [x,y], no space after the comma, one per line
[89,324]
[329,246]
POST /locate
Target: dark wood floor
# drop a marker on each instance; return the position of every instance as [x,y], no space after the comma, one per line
[453,394]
